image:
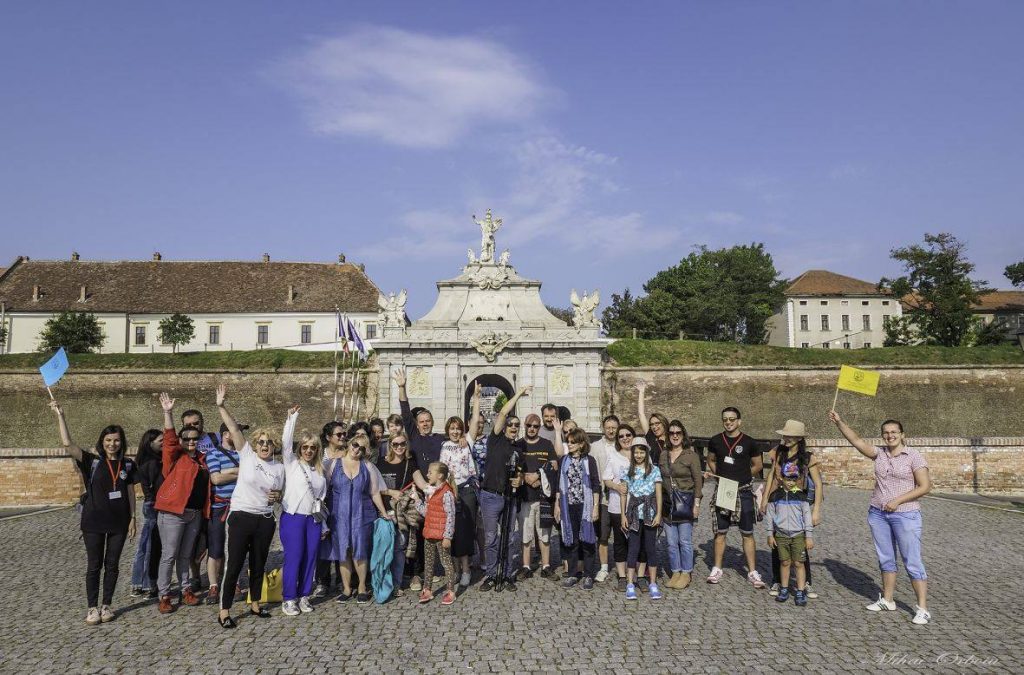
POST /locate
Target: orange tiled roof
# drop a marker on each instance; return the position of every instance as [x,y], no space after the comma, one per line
[823,282]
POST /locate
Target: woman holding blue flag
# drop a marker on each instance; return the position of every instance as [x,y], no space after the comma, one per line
[107,508]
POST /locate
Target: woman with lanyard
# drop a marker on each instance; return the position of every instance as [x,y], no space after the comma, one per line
[894,517]
[148,453]
[303,520]
[250,524]
[792,458]
[354,497]
[682,475]
[614,469]
[108,510]
[654,428]
[334,442]
[182,501]
[397,469]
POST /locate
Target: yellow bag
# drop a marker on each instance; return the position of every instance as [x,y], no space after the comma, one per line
[273,587]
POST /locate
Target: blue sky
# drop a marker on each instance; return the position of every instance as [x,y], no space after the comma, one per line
[611,137]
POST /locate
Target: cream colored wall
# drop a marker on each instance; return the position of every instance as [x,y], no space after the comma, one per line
[24,330]
[835,309]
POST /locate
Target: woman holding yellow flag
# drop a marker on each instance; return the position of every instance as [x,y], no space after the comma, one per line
[901,478]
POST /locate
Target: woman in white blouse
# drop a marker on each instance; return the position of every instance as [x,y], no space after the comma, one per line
[250,524]
[303,521]
[457,455]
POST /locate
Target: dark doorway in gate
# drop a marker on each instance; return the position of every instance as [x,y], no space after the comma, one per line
[493,387]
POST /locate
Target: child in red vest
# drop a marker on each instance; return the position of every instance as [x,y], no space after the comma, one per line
[438,528]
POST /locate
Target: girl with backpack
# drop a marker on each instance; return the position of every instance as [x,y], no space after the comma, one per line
[438,529]
[107,508]
[641,515]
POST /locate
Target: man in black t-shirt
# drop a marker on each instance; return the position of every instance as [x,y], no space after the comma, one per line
[735,456]
[503,474]
[538,453]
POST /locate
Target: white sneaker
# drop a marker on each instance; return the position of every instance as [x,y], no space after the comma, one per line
[811,595]
[304,605]
[290,608]
[601,576]
[465,579]
[882,603]
[715,576]
[755,579]
[93,617]
[774,590]
[106,614]
[922,616]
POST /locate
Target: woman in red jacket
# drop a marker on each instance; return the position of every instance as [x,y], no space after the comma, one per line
[181,504]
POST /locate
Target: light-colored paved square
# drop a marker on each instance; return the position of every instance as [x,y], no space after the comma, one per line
[974,557]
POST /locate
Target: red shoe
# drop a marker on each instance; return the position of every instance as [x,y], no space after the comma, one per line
[448,598]
[165,606]
[426,596]
[189,598]
[213,596]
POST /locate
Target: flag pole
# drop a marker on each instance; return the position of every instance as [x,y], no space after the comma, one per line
[50,393]
[355,390]
[337,326]
[836,399]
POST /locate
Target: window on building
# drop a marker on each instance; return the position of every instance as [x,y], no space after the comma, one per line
[803,322]
[865,302]
[846,322]
[824,302]
[885,319]
[846,345]
[140,336]
[805,345]
[803,302]
[214,335]
[824,322]
[867,345]
[827,345]
[885,303]
[866,320]
[262,334]
[306,333]
[371,331]
[844,303]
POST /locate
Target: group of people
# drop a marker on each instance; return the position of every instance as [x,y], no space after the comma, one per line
[414,501]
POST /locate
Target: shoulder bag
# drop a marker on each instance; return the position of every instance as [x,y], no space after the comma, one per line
[681,501]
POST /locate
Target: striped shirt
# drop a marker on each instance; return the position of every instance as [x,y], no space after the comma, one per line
[894,476]
[217,461]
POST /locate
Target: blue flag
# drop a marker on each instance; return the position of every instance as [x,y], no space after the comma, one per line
[357,339]
[55,368]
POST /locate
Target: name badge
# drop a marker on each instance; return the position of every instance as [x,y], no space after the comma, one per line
[116,494]
[729,460]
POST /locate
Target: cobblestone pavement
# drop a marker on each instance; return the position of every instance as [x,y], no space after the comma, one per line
[542,627]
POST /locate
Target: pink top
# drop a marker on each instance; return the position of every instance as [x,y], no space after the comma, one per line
[459,459]
[894,476]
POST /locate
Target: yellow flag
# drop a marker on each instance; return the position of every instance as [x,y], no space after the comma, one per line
[861,381]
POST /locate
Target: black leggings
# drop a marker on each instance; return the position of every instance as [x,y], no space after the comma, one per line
[805,559]
[247,533]
[620,545]
[155,549]
[579,550]
[645,540]
[103,551]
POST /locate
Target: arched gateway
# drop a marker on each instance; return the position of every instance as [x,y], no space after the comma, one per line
[490,323]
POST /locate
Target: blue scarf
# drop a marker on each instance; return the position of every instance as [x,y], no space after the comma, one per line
[587,534]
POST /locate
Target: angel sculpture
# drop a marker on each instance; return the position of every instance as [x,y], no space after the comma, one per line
[472,257]
[391,309]
[583,309]
[503,260]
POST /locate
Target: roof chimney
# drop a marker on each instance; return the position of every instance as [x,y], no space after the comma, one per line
[35,293]
[156,256]
[74,256]
[291,293]
[362,268]
[341,258]
[82,293]
[266,257]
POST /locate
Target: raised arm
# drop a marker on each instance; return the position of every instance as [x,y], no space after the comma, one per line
[167,405]
[403,402]
[560,448]
[288,434]
[237,438]
[499,421]
[473,430]
[74,452]
[641,407]
[856,441]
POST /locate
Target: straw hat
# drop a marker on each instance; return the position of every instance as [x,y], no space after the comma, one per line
[641,441]
[793,428]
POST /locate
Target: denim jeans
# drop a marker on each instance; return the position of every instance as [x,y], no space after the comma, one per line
[897,530]
[490,514]
[140,568]
[680,546]
[178,535]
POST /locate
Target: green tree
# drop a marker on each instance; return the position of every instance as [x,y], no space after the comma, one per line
[987,333]
[175,330]
[937,290]
[563,313]
[3,335]
[76,332]
[1015,273]
[726,295]
[619,316]
[899,332]
[500,401]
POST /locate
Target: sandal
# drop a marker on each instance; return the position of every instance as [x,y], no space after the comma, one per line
[261,612]
[226,622]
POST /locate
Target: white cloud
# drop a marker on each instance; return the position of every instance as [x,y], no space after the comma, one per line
[411,89]
[724,218]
